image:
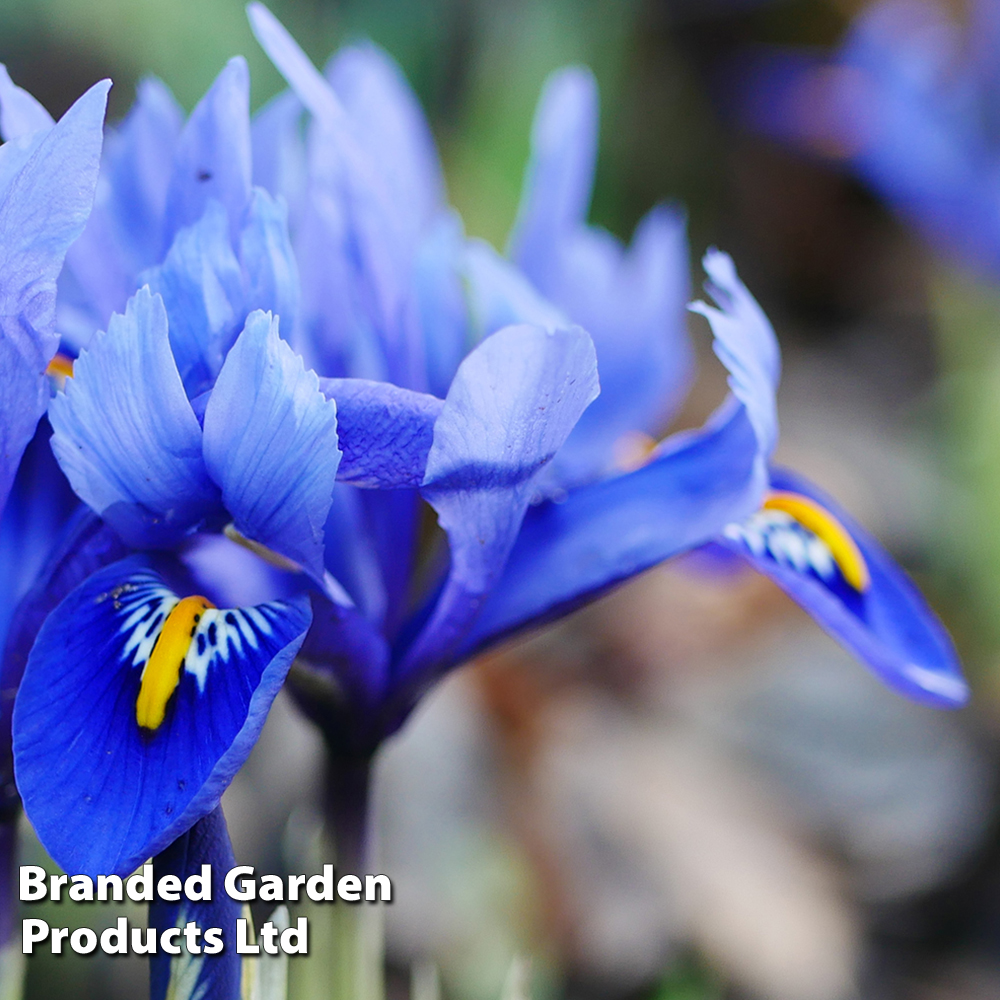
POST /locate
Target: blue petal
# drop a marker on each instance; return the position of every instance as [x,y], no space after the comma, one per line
[746,345]
[42,210]
[886,624]
[138,165]
[20,113]
[391,127]
[213,158]
[349,555]
[126,436]
[500,295]
[210,976]
[385,432]
[125,232]
[271,445]
[560,174]
[202,288]
[279,150]
[39,505]
[272,277]
[442,305]
[103,794]
[356,265]
[514,400]
[602,534]
[630,300]
[86,544]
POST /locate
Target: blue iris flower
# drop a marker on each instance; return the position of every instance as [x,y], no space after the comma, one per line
[909,102]
[450,380]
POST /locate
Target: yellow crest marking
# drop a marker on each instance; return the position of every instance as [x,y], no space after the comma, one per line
[162,672]
[828,529]
[59,369]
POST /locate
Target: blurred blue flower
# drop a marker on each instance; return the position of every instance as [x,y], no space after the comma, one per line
[909,103]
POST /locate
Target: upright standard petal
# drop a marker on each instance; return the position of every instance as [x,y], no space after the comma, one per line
[270,271]
[630,299]
[126,436]
[213,158]
[852,587]
[202,288]
[271,445]
[137,707]
[42,210]
[279,150]
[560,174]
[390,124]
[125,232]
[356,261]
[191,975]
[499,294]
[514,400]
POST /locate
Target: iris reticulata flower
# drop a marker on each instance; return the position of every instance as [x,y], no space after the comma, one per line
[278,513]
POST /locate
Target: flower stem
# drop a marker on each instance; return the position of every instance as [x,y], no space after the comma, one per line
[346,939]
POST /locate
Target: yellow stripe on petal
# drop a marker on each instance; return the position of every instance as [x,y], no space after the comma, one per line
[162,672]
[828,529]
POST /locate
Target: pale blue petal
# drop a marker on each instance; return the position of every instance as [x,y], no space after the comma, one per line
[138,166]
[270,272]
[202,288]
[560,173]
[442,304]
[514,400]
[279,149]
[391,126]
[126,436]
[125,232]
[271,445]
[358,313]
[500,295]
[632,301]
[213,159]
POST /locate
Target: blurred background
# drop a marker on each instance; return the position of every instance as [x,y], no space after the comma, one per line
[686,792]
